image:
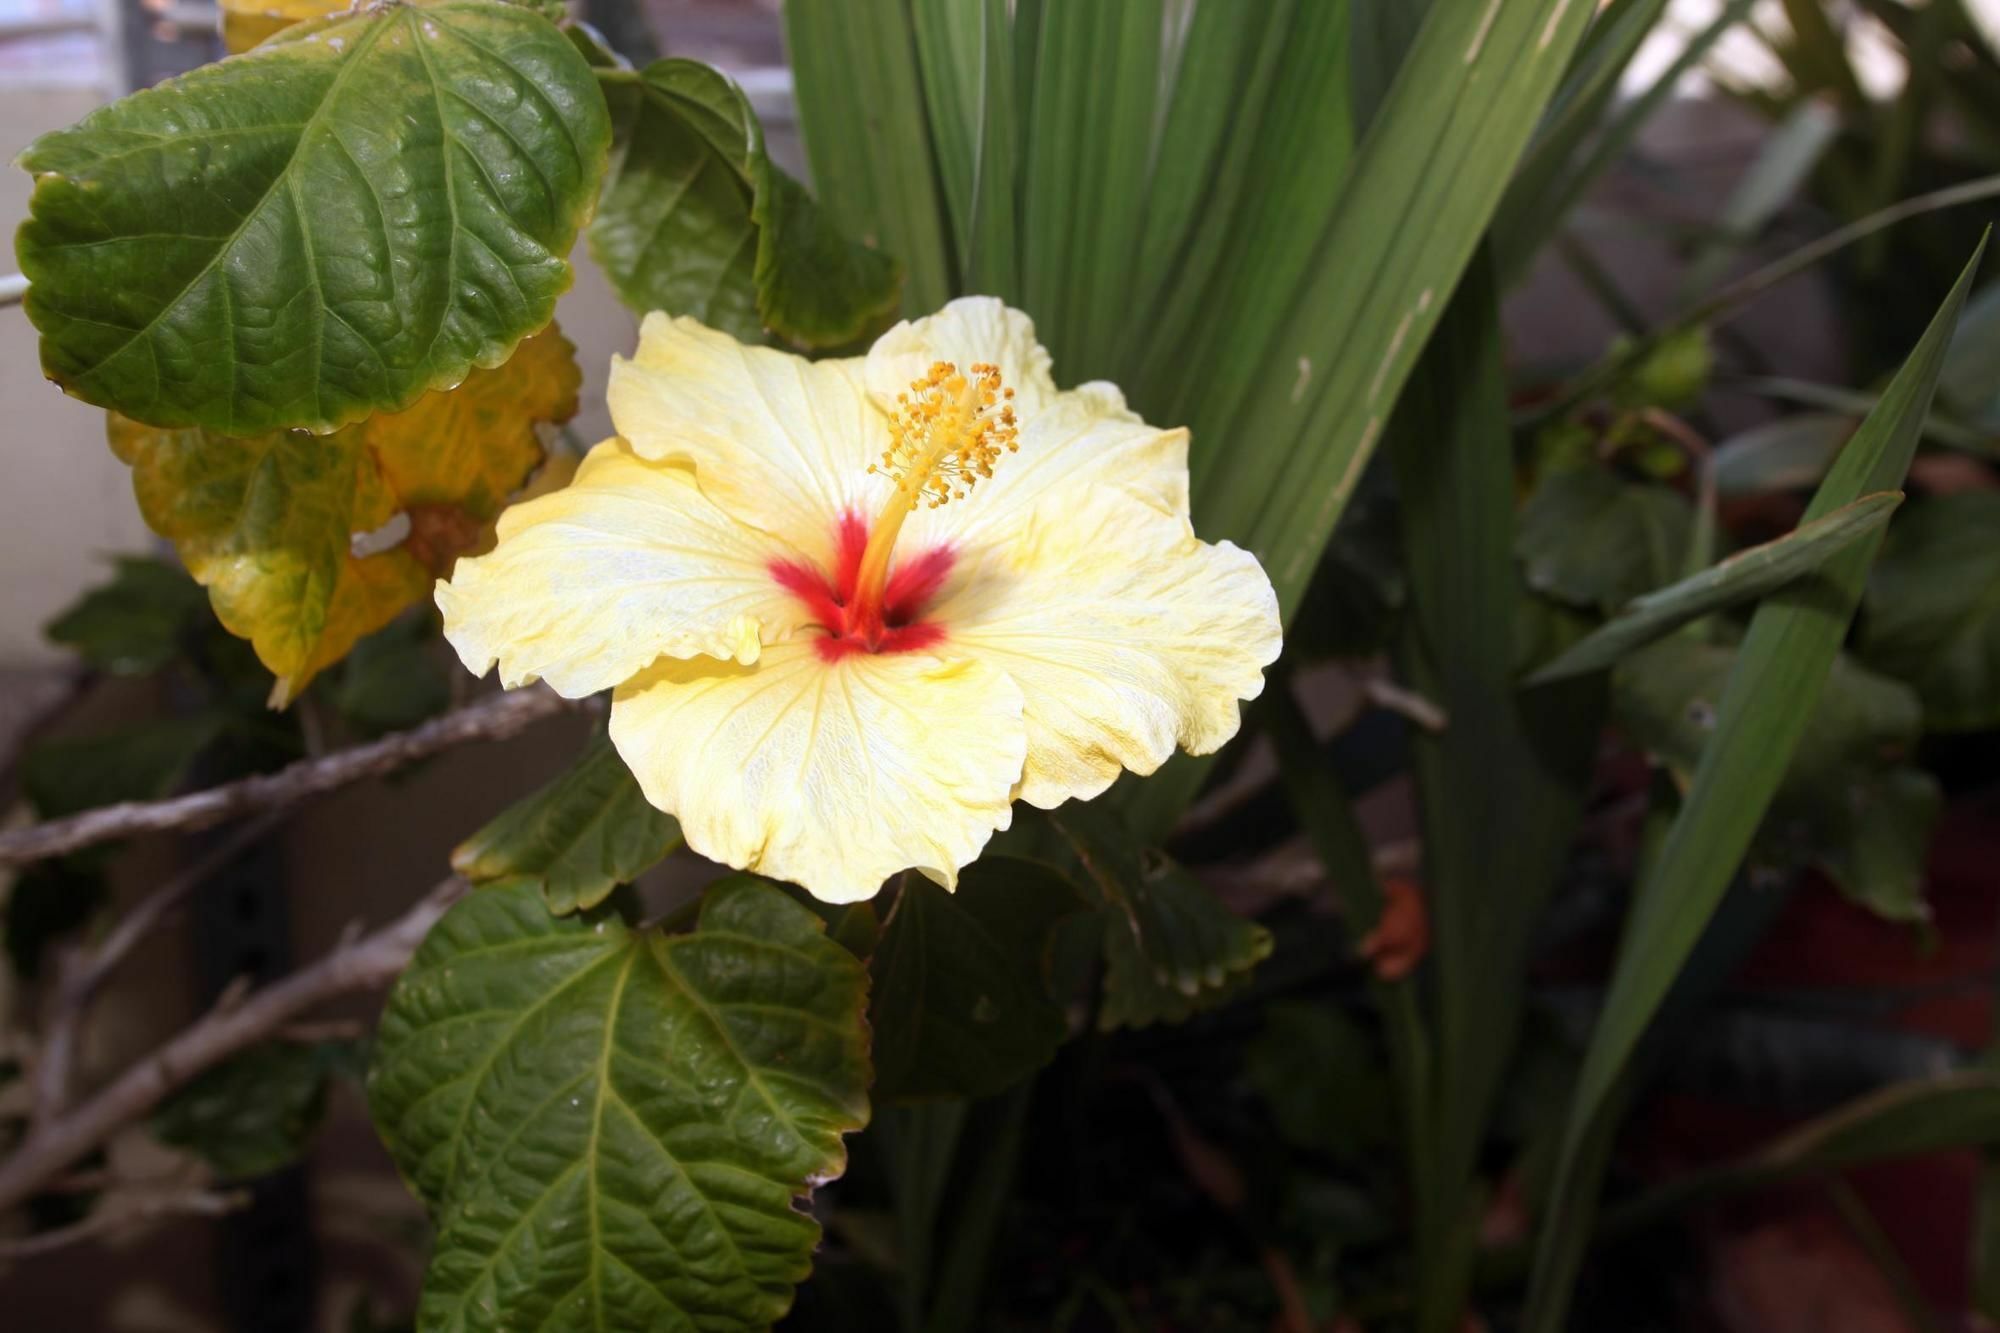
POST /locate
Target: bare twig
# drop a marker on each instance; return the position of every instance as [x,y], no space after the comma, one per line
[365,962]
[80,976]
[491,719]
[157,906]
[132,1211]
[1405,703]
[58,1051]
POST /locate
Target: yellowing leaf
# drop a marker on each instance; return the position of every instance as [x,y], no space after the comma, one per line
[307,543]
[248,22]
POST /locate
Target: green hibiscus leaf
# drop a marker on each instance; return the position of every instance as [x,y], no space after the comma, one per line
[363,208]
[136,623]
[258,1112]
[614,1127]
[962,1007]
[394,678]
[1171,948]
[1932,612]
[696,220]
[578,838]
[143,762]
[1850,804]
[1325,1080]
[1590,538]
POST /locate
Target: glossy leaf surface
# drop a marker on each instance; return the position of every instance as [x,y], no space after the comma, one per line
[696,220]
[612,1127]
[361,209]
[578,838]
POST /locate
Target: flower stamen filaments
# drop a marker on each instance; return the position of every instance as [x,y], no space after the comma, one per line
[950,428]
[949,431]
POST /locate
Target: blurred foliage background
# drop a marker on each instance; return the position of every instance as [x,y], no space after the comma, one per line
[1595,926]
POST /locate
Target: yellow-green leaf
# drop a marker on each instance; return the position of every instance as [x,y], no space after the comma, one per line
[306,543]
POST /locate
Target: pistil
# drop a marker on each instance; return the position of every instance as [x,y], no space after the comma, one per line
[949,430]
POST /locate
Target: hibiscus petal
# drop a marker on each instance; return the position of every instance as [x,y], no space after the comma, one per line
[831,774]
[1127,636]
[1083,440]
[591,583]
[779,442]
[969,331]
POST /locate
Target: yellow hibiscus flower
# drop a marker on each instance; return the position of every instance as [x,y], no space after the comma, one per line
[851,610]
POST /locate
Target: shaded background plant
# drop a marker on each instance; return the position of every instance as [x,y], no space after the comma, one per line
[1602,887]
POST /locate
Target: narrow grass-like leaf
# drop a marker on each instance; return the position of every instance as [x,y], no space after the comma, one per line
[1257,234]
[1491,850]
[1742,577]
[363,208]
[1551,183]
[1784,663]
[950,39]
[861,106]
[1723,304]
[1289,409]
[1312,378]
[613,1127]
[1091,128]
[1525,219]
[1959,1110]
[1783,163]
[992,245]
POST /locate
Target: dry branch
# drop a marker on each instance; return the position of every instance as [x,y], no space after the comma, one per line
[364,962]
[491,719]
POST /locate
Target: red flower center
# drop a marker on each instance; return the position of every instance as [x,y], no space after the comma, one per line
[894,625]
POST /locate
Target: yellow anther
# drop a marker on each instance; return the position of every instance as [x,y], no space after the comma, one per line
[950,428]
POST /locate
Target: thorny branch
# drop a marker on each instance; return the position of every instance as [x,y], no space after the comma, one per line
[492,719]
[358,963]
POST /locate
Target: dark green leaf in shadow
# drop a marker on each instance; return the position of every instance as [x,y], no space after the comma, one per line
[1590,538]
[257,1112]
[137,763]
[1904,1120]
[1171,947]
[961,1003]
[363,208]
[1326,1083]
[393,679]
[1849,804]
[1763,714]
[1931,615]
[615,1128]
[577,839]
[136,623]
[1742,577]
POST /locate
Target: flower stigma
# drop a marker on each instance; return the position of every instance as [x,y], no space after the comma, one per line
[950,429]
